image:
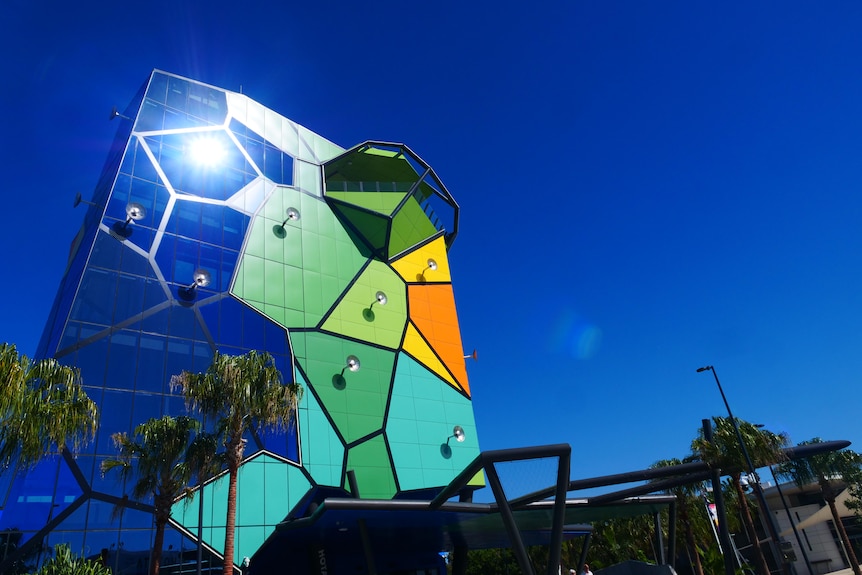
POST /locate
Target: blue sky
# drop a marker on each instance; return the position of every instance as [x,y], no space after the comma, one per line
[645,188]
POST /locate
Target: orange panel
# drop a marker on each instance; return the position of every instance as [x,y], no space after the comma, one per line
[416,346]
[432,310]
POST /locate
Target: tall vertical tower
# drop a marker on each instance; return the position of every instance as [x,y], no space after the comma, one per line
[219,225]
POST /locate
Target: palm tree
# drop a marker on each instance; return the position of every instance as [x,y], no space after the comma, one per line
[828,470]
[685,495]
[243,392]
[43,408]
[725,452]
[65,563]
[162,457]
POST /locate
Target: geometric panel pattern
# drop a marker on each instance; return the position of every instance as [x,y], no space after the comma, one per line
[218,225]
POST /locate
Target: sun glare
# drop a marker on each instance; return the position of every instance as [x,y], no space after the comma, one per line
[206,151]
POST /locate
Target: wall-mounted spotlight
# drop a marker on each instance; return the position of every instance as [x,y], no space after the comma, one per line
[116,114]
[134,212]
[201,278]
[474,356]
[79,200]
[432,265]
[458,434]
[352,364]
[379,298]
[292,216]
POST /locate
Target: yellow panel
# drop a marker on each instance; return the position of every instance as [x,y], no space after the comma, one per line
[416,346]
[413,267]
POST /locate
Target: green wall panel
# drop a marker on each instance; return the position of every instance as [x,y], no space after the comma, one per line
[381,324]
[294,273]
[382,202]
[322,450]
[371,227]
[410,226]
[357,407]
[370,461]
[423,411]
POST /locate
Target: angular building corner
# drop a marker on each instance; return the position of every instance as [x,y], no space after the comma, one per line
[219,225]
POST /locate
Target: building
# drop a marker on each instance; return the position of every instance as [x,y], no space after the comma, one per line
[219,225]
[814,523]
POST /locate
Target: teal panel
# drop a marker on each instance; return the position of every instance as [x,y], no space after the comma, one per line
[267,489]
[423,411]
[322,450]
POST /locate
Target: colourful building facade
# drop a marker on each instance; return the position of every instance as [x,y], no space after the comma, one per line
[219,225]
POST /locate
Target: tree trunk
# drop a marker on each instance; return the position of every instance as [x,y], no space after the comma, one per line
[689,538]
[235,448]
[762,565]
[158,543]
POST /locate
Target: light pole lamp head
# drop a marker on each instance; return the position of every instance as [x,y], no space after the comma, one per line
[704,368]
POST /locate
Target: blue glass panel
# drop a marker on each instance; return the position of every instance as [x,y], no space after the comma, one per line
[116,419]
[183,323]
[91,361]
[151,364]
[179,357]
[177,93]
[255,151]
[230,323]
[283,443]
[287,169]
[210,260]
[106,252]
[123,352]
[101,516]
[272,164]
[143,167]
[175,119]
[154,294]
[31,499]
[70,337]
[276,338]
[228,265]
[157,90]
[145,193]
[128,158]
[96,297]
[151,117]
[74,539]
[239,129]
[203,356]
[171,162]
[133,262]
[130,296]
[188,219]
[212,223]
[146,406]
[175,404]
[252,329]
[156,323]
[185,261]
[208,103]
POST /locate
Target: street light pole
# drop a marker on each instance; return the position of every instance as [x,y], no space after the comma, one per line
[768,520]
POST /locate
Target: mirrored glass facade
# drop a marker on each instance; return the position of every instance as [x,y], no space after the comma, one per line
[219,225]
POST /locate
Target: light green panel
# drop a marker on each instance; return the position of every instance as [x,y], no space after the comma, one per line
[423,411]
[356,317]
[293,274]
[370,461]
[307,177]
[322,451]
[267,489]
[382,202]
[410,226]
[372,227]
[358,408]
